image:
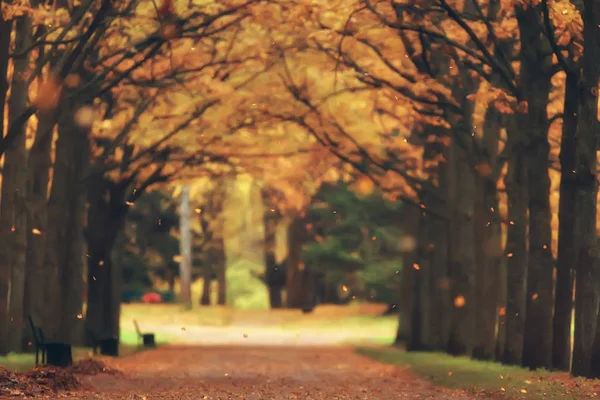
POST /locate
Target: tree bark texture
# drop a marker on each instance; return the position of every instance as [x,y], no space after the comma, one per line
[516,248]
[185,245]
[587,291]
[13,209]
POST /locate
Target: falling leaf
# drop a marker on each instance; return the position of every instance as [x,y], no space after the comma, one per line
[79,316]
[416,266]
[364,186]
[502,312]
[72,80]
[183,328]
[484,169]
[84,117]
[36,231]
[449,373]
[443,283]
[407,243]
[459,301]
[245,335]
[170,31]
[535,296]
[48,94]
[344,288]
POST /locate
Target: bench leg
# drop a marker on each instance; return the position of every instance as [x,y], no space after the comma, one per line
[37,354]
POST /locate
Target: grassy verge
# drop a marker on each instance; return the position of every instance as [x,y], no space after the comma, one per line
[492,379]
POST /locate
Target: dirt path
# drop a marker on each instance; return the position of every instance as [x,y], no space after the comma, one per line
[257,373]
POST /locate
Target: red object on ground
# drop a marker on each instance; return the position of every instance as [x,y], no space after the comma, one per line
[152,297]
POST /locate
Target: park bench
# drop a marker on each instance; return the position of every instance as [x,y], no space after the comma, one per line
[53,353]
[108,346]
[148,339]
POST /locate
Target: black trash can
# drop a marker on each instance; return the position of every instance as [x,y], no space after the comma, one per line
[149,340]
[109,347]
[59,354]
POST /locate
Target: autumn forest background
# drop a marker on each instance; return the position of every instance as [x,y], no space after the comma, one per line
[437,157]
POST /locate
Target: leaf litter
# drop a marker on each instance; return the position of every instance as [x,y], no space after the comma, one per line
[248,372]
[47,380]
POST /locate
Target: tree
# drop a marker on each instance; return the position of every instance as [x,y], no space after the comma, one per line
[274,276]
[355,241]
[587,294]
[185,265]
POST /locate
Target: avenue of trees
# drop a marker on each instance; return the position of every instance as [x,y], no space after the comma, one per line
[479,117]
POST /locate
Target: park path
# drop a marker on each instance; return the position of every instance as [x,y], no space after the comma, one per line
[254,335]
[257,373]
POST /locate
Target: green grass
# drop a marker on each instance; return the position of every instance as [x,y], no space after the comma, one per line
[485,377]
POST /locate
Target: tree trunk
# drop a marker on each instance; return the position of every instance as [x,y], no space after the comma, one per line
[595,356]
[587,294]
[66,211]
[535,85]
[37,192]
[274,272]
[221,270]
[38,183]
[185,244]
[461,253]
[207,275]
[410,225]
[275,279]
[72,272]
[13,211]
[516,249]
[275,299]
[488,250]
[439,293]
[72,326]
[419,315]
[105,221]
[5,29]
[117,287]
[295,280]
[57,234]
[331,295]
[98,320]
[563,300]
